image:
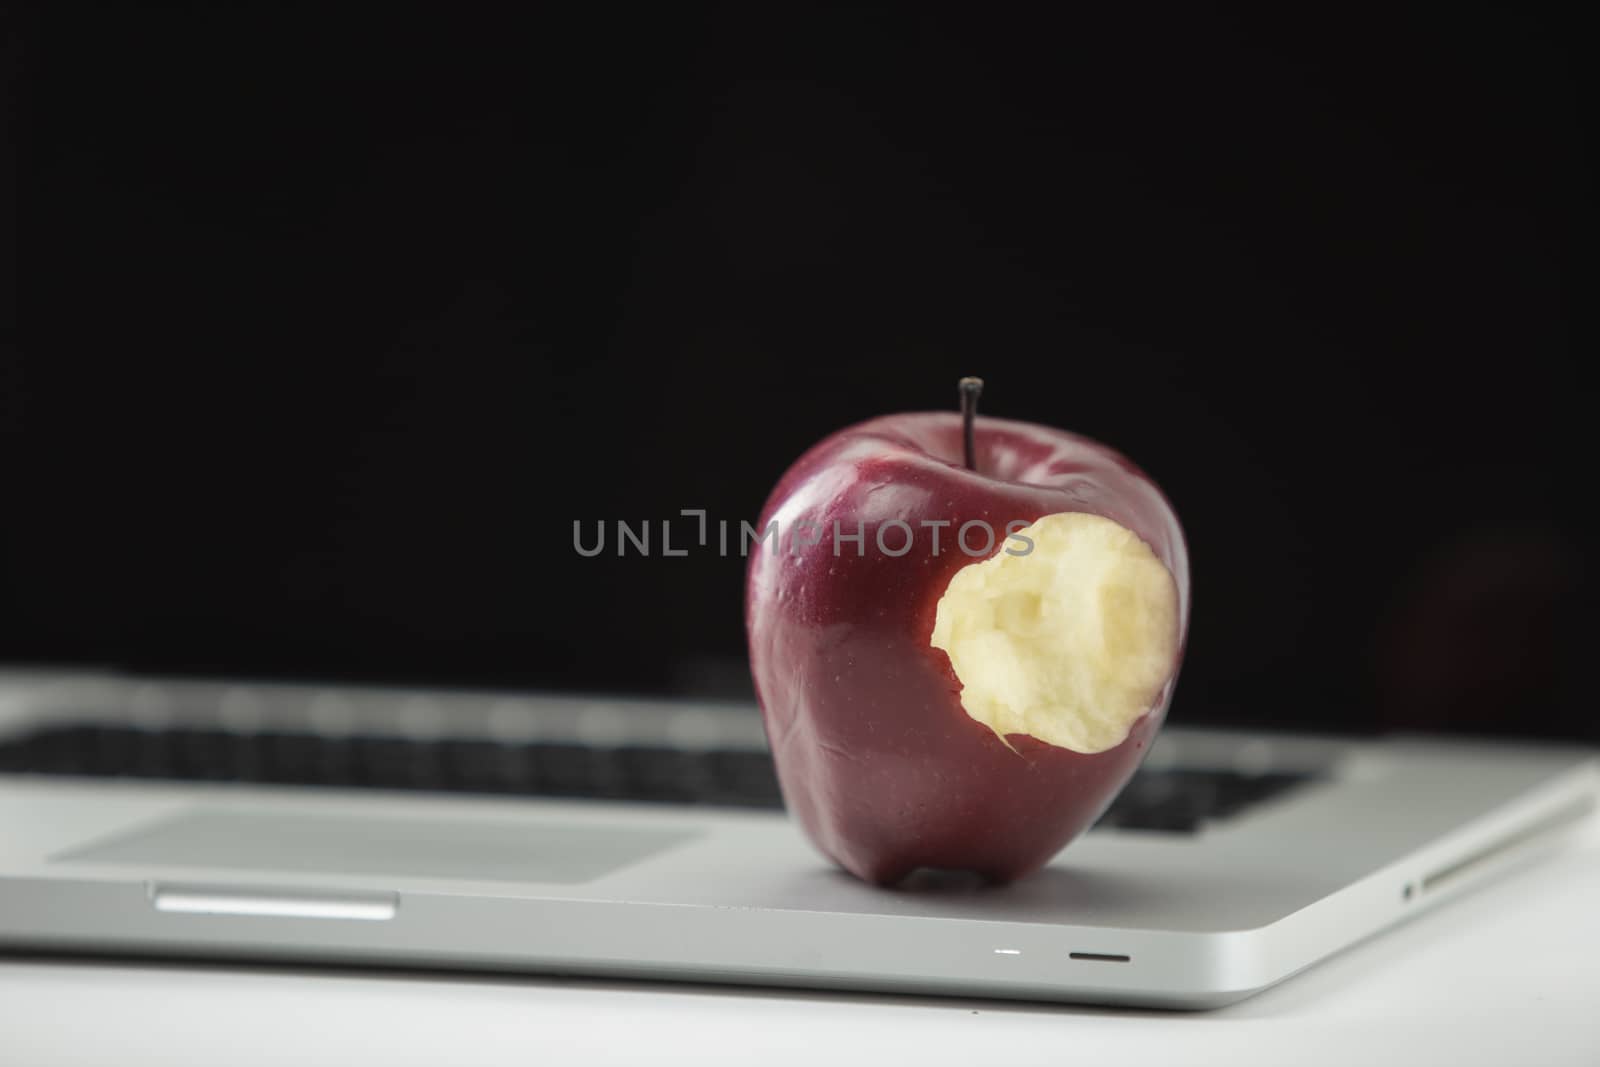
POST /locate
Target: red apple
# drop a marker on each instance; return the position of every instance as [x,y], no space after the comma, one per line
[970,706]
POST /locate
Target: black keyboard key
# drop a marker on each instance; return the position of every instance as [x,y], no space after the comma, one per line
[1183,800]
[301,759]
[486,767]
[665,774]
[565,770]
[1167,818]
[210,755]
[98,750]
[394,763]
[741,771]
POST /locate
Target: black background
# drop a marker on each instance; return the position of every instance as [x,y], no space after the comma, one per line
[330,325]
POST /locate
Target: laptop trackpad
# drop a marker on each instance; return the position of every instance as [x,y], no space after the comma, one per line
[531,851]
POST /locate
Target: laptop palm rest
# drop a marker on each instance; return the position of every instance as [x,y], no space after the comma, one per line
[550,852]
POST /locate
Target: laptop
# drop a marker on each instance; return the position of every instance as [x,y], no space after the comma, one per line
[638,838]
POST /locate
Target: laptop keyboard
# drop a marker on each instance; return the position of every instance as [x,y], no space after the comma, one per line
[1169,800]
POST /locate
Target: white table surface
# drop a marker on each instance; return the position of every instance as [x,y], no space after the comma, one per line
[1507,975]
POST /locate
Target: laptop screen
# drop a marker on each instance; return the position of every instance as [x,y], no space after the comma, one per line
[332,329]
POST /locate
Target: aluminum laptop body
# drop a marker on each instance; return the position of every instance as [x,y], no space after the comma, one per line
[1371,834]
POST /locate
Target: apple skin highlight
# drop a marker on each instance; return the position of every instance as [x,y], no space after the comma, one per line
[879,761]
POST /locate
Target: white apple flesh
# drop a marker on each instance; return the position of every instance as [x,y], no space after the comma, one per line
[1069,642]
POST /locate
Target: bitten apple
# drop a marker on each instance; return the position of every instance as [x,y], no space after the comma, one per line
[964,634]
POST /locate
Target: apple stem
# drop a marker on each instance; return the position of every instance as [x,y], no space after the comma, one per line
[969,389]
